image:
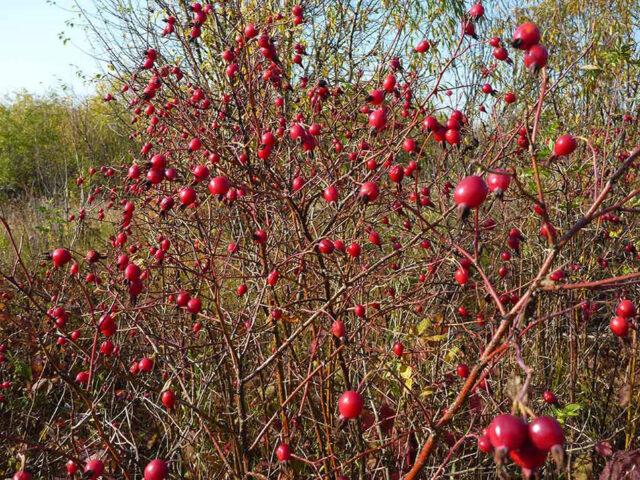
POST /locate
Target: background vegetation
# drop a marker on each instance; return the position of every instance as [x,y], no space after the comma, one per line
[46,141]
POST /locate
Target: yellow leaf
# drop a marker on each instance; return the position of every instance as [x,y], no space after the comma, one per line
[452,354]
[406,372]
[427,392]
[423,325]
[435,338]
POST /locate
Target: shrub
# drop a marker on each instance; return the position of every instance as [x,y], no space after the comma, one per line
[336,259]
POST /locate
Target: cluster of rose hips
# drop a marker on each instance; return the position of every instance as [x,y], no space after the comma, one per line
[377,117]
[527,37]
[199,17]
[469,194]
[472,191]
[94,468]
[476,12]
[526,444]
[297,13]
[450,131]
[621,323]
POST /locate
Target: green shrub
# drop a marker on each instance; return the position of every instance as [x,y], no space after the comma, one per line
[45,142]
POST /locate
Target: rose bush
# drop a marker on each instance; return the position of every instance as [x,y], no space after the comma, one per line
[331,260]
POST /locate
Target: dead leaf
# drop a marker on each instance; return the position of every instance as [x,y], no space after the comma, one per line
[582,468]
[624,395]
[623,465]
[42,383]
[604,449]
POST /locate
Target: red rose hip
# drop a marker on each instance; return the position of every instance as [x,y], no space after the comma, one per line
[508,432]
[350,404]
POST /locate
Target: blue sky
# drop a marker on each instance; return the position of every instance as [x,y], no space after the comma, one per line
[33,57]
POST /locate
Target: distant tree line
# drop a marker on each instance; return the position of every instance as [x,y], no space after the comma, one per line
[46,141]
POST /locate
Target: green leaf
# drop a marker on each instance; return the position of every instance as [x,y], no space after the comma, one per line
[22,369]
[568,411]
